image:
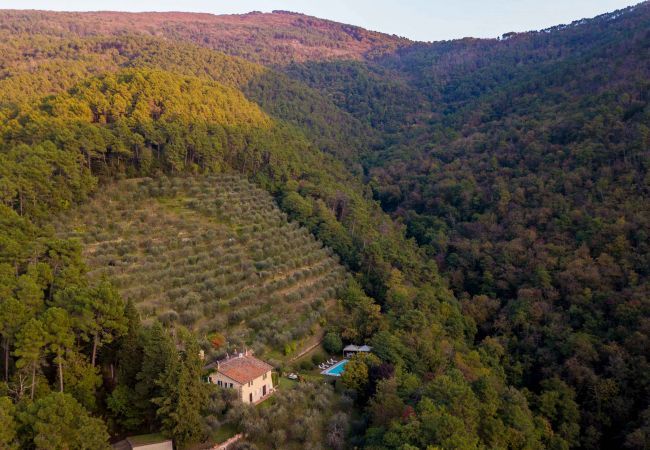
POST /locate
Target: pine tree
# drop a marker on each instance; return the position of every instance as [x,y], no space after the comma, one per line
[97,313]
[130,351]
[108,313]
[29,348]
[124,401]
[59,422]
[184,395]
[12,315]
[8,426]
[159,366]
[60,337]
[193,394]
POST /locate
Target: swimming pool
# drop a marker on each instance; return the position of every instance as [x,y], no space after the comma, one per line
[336,370]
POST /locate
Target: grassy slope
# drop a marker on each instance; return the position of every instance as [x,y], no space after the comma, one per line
[213,253]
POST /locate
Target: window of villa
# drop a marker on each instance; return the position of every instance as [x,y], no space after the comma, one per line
[264,377]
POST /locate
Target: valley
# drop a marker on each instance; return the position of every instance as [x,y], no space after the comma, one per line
[177,187]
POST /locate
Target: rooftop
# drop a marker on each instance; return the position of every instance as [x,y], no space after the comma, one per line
[143,440]
[355,348]
[242,368]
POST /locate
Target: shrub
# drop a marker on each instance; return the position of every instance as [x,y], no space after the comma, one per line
[189,317]
[318,358]
[168,317]
[332,343]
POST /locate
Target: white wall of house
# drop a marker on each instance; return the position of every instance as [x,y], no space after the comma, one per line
[223,381]
[253,391]
[250,392]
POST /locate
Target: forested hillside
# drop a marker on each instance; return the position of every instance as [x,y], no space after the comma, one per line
[532,194]
[489,198]
[525,177]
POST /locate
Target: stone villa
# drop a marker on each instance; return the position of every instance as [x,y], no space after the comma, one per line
[250,376]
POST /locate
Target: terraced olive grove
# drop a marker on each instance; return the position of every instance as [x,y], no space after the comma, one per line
[212,253]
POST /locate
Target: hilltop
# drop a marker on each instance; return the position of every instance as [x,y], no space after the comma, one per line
[273,38]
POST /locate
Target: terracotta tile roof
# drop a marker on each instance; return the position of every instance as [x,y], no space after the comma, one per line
[243,368]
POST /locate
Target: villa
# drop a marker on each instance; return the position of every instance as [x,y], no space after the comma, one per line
[250,376]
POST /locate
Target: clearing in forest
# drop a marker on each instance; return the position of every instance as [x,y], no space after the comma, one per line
[212,253]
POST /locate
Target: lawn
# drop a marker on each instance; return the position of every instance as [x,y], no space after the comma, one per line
[224,433]
[286,383]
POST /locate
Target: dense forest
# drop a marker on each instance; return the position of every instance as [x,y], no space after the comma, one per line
[487,198]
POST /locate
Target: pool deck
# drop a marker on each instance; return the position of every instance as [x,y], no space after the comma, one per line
[327,371]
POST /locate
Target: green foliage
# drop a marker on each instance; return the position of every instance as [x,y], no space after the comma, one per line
[215,247]
[521,168]
[355,375]
[98,313]
[59,336]
[163,387]
[297,207]
[40,178]
[8,426]
[557,404]
[332,343]
[364,318]
[120,404]
[30,343]
[318,358]
[184,395]
[303,415]
[83,381]
[158,364]
[518,165]
[59,422]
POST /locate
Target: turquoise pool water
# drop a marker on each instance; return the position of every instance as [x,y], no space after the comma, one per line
[336,370]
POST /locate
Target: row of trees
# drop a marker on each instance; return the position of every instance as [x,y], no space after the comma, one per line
[211,253]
